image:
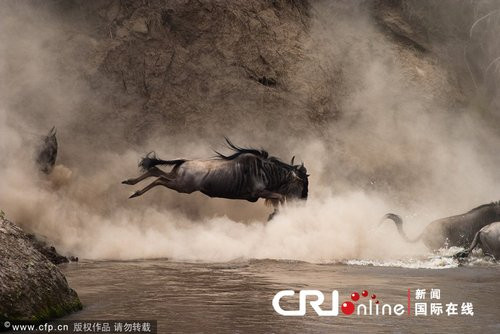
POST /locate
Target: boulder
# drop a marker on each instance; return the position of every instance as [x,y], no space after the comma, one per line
[31,286]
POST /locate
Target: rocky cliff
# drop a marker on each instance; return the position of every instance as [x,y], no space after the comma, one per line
[31,287]
[156,67]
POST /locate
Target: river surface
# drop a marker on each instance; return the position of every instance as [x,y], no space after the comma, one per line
[236,297]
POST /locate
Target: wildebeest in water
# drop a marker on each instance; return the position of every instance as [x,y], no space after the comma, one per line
[488,238]
[457,230]
[247,174]
[47,152]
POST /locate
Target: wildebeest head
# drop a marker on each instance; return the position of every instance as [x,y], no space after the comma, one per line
[302,173]
[298,186]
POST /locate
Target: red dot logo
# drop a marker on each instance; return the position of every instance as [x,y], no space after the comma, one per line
[374,296]
[364,293]
[347,308]
[355,296]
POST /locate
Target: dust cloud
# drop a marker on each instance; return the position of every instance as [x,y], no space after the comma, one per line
[401,143]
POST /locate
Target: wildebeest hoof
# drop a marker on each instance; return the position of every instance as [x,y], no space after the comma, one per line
[134,194]
[461,255]
[127,182]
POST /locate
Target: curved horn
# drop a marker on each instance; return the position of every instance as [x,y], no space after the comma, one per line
[293,158]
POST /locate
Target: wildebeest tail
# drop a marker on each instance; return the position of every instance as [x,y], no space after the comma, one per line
[399,225]
[150,160]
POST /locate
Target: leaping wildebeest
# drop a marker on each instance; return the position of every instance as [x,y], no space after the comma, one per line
[47,152]
[452,231]
[247,174]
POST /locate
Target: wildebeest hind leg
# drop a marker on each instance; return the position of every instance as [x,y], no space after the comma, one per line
[466,252]
[161,181]
[154,171]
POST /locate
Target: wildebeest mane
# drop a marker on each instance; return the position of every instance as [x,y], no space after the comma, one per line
[241,150]
[485,205]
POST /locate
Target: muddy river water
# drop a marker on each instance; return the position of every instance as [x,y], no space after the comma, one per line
[236,297]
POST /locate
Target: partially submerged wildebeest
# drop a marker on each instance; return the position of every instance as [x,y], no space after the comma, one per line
[47,152]
[247,174]
[488,238]
[452,231]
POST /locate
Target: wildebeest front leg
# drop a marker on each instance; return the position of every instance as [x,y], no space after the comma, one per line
[161,181]
[271,216]
[271,195]
[275,198]
[154,171]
